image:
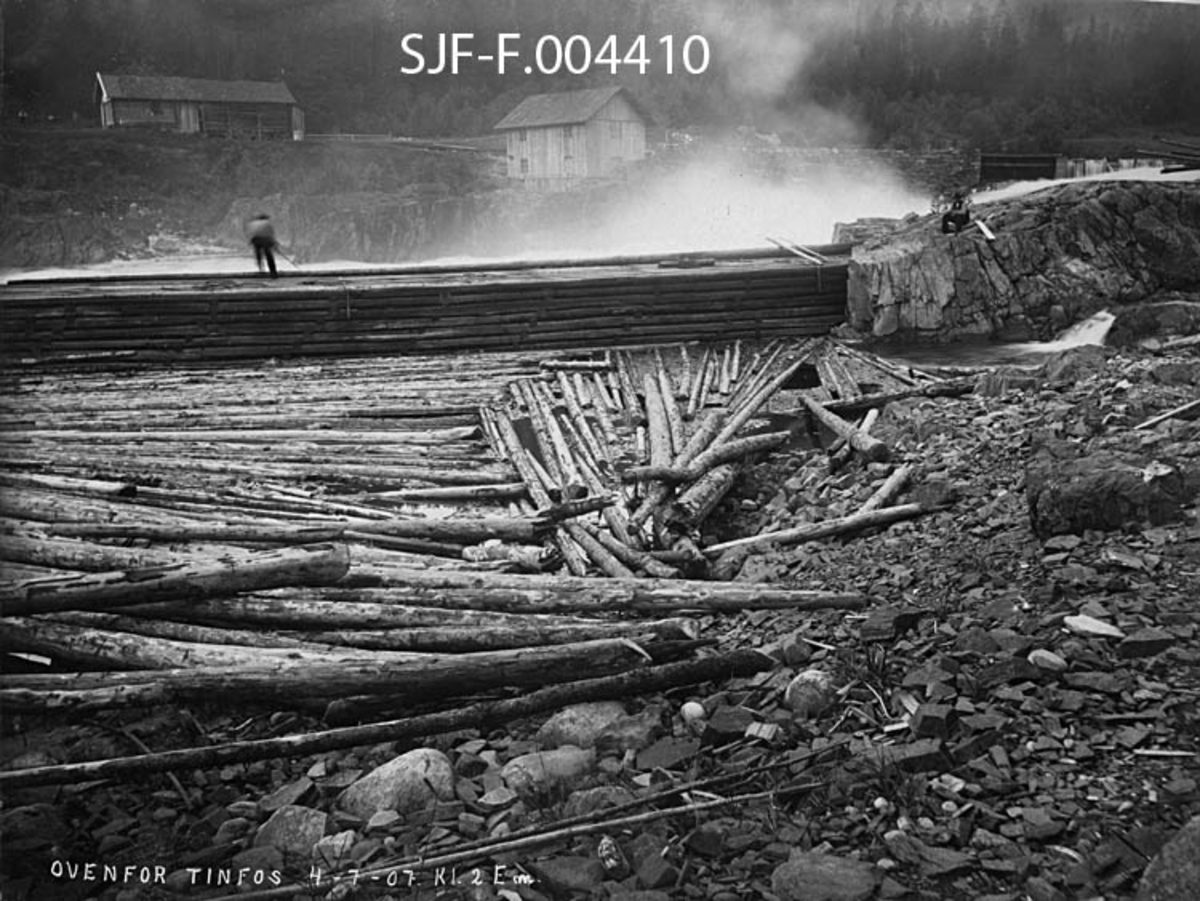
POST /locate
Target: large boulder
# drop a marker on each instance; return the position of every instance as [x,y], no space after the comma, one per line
[1070,492]
[407,784]
[1060,254]
[1174,875]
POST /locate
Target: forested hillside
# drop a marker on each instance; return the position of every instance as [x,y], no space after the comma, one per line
[1020,74]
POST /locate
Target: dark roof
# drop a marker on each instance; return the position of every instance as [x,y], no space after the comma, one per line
[163,87]
[566,108]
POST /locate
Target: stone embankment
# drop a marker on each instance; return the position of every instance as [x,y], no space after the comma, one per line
[1059,255]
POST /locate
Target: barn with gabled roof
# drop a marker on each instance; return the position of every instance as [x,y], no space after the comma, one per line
[259,109]
[556,140]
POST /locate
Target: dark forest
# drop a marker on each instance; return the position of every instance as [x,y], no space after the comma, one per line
[1010,74]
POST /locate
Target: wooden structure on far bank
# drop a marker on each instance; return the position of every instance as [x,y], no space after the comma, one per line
[555,141]
[257,109]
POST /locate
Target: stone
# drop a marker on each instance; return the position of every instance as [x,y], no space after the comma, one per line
[382,820]
[632,732]
[809,876]
[667,753]
[1145,643]
[1174,872]
[261,862]
[408,783]
[811,693]
[590,800]
[932,720]
[232,829]
[565,875]
[1102,491]
[294,830]
[579,724]
[1047,660]
[33,827]
[932,860]
[543,770]
[727,723]
[1089,625]
[292,793]
[332,852]
[655,871]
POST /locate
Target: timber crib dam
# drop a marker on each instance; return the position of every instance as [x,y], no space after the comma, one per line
[633,300]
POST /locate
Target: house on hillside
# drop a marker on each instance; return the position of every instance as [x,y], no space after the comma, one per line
[259,109]
[556,140]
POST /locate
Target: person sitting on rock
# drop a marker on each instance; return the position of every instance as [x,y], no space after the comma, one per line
[956,218]
[262,239]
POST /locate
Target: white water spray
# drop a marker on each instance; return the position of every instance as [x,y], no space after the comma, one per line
[1092,330]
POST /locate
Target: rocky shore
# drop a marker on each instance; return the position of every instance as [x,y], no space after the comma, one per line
[1057,255]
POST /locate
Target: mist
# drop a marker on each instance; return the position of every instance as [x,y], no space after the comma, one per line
[718,202]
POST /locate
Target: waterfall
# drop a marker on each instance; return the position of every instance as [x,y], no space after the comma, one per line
[1092,330]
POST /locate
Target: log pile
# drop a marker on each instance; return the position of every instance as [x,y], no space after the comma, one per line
[382,538]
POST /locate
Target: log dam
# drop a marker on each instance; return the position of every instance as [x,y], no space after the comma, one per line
[633,300]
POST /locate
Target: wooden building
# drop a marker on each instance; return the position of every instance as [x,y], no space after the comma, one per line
[260,109]
[557,140]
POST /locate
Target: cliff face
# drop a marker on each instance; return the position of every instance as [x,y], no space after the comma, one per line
[1059,255]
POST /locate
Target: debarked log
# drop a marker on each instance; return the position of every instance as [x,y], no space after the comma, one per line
[955,387]
[417,679]
[869,447]
[105,649]
[84,556]
[467,639]
[482,715]
[317,564]
[826,529]
[466,530]
[541,593]
[693,506]
[350,609]
[726,453]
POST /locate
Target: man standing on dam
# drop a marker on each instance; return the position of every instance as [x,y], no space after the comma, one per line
[262,239]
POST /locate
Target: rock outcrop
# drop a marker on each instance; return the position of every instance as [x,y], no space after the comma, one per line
[1059,255]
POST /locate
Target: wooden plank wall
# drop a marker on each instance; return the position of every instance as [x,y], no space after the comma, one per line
[200,319]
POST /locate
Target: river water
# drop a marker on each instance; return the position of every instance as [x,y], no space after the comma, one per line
[1093,330]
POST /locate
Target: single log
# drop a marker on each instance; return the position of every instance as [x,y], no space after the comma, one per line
[840,452]
[484,715]
[250,531]
[888,491]
[661,449]
[351,609]
[670,403]
[870,448]
[469,639]
[517,592]
[942,388]
[57,553]
[1180,412]
[258,436]
[827,529]
[693,506]
[104,649]
[320,564]
[416,678]
[184,631]
[693,403]
[499,491]
[726,453]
